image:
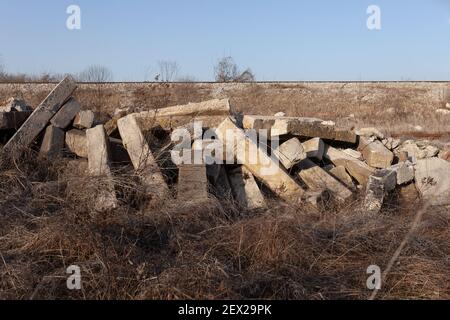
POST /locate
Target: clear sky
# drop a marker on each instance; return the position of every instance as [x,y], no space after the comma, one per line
[277,39]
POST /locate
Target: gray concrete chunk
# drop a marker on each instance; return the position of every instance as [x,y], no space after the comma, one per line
[432,180]
[53,142]
[66,114]
[245,189]
[290,153]
[84,119]
[314,148]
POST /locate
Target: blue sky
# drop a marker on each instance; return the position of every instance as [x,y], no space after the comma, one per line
[278,40]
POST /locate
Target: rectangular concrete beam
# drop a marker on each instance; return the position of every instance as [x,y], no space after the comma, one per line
[245,189]
[13,119]
[304,127]
[359,170]
[84,119]
[53,142]
[290,153]
[317,178]
[99,167]
[66,114]
[40,117]
[314,148]
[141,156]
[265,168]
[192,183]
[211,113]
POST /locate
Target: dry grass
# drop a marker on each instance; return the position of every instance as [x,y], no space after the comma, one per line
[210,251]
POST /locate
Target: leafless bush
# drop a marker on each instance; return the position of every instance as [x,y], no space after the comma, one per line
[95,73]
[168,70]
[227,70]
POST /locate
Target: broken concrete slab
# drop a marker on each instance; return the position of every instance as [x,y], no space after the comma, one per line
[417,151]
[265,168]
[84,119]
[192,183]
[379,184]
[66,114]
[375,153]
[303,127]
[76,142]
[314,148]
[53,142]
[359,170]
[290,153]
[432,181]
[245,189]
[99,167]
[39,119]
[141,157]
[13,120]
[317,178]
[340,173]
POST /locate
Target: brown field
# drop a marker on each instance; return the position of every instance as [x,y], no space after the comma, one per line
[215,251]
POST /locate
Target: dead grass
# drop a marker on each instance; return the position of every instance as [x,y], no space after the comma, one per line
[213,251]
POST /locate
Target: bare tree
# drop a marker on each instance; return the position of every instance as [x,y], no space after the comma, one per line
[227,70]
[168,70]
[96,73]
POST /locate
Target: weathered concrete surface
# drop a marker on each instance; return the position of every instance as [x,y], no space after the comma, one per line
[98,151]
[192,183]
[66,114]
[290,153]
[317,178]
[245,189]
[417,151]
[432,180]
[353,153]
[359,170]
[53,142]
[141,157]
[265,168]
[303,127]
[375,153]
[38,120]
[13,120]
[209,148]
[404,171]
[99,167]
[211,113]
[379,184]
[340,173]
[370,132]
[84,119]
[314,148]
[76,142]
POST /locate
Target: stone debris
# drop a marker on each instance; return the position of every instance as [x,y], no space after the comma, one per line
[238,159]
[375,153]
[84,119]
[290,153]
[245,189]
[53,142]
[66,114]
[314,148]
[41,116]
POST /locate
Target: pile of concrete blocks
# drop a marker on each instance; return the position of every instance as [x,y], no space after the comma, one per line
[301,160]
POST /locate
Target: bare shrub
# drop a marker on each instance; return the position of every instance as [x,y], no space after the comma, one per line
[168,70]
[95,73]
[227,70]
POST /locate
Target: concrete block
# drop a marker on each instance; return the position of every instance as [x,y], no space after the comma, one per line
[314,148]
[53,142]
[245,189]
[432,180]
[84,119]
[76,142]
[192,183]
[318,179]
[265,168]
[66,114]
[290,153]
[375,153]
[340,173]
[41,116]
[379,184]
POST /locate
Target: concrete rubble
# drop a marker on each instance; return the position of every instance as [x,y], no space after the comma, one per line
[314,161]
